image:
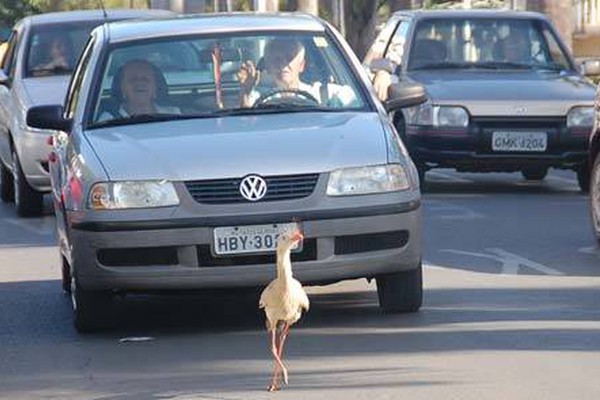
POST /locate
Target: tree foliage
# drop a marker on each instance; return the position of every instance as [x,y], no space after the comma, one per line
[13,10]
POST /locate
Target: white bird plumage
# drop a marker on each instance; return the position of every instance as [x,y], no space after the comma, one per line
[283,300]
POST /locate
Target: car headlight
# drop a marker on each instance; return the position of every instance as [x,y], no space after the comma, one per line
[132,194]
[580,117]
[437,116]
[367,180]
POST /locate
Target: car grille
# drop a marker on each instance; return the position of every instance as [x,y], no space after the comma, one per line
[542,123]
[222,191]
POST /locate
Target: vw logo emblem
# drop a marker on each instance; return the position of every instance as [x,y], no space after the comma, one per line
[253,188]
[519,110]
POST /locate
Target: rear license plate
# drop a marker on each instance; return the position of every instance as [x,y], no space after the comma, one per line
[519,141]
[229,240]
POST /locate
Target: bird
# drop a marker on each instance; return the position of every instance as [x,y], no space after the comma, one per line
[283,300]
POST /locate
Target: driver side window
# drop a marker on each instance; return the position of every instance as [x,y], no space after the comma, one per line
[9,60]
[77,79]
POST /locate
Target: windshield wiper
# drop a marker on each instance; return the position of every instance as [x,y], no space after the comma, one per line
[272,109]
[139,119]
[445,65]
[549,67]
[265,109]
[505,65]
[293,107]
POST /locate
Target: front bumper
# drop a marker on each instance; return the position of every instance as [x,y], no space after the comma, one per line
[471,149]
[33,150]
[175,254]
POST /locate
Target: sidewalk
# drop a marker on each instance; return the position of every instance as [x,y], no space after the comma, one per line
[587,44]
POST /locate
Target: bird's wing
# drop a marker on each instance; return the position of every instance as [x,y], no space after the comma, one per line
[267,294]
[301,296]
[305,304]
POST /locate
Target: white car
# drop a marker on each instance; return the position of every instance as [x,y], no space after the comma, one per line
[28,78]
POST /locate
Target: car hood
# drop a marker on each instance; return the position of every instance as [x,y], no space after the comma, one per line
[501,93]
[216,148]
[46,90]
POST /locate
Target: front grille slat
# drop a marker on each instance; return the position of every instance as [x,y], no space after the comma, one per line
[226,191]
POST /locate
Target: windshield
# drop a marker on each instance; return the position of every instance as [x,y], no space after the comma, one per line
[54,49]
[205,77]
[486,43]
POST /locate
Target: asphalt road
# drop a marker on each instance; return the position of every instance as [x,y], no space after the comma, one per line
[511,311]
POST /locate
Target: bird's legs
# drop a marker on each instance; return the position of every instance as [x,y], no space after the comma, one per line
[282,336]
[278,364]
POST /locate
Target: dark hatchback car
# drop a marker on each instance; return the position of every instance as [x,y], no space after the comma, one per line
[505,94]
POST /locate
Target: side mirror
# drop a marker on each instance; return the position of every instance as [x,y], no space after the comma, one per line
[4,80]
[403,95]
[48,117]
[590,67]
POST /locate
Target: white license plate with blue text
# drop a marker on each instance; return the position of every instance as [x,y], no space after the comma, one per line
[519,141]
[249,238]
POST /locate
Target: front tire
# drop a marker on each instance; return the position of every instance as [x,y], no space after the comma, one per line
[29,202]
[92,310]
[421,170]
[401,292]
[583,178]
[595,198]
[7,187]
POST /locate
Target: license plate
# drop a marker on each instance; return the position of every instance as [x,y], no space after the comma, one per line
[229,240]
[519,141]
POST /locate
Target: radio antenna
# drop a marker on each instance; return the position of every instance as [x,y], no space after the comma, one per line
[103,9]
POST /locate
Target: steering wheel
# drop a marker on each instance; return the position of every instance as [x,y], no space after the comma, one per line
[302,95]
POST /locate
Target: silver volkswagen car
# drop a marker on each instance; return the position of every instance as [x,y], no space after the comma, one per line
[40,56]
[181,156]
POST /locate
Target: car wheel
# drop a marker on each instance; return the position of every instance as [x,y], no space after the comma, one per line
[583,178]
[92,310]
[595,198]
[29,202]
[535,173]
[421,169]
[7,188]
[401,291]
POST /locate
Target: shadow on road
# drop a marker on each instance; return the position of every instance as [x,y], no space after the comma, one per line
[448,181]
[195,338]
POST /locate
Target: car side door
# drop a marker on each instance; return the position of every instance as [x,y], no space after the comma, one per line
[8,67]
[63,151]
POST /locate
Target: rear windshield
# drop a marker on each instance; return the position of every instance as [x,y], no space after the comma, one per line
[54,49]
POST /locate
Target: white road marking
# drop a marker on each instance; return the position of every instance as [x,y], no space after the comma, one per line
[446,177]
[592,250]
[511,263]
[452,211]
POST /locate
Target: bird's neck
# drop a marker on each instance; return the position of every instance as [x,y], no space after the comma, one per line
[284,266]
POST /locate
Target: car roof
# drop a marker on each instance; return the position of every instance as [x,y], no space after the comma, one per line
[213,23]
[91,15]
[472,13]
